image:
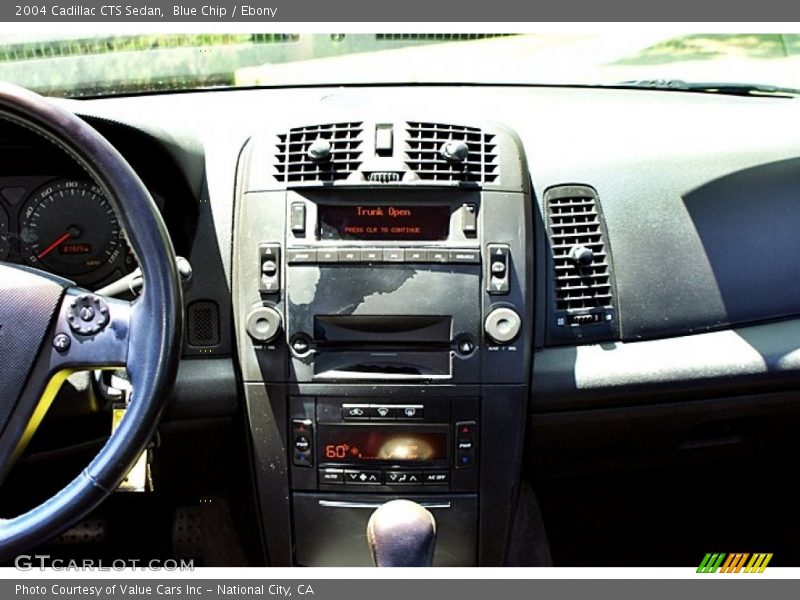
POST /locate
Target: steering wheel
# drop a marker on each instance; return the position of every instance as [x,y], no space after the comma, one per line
[49,328]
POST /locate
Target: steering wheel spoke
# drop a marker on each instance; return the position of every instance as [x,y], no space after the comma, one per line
[88,332]
[91,332]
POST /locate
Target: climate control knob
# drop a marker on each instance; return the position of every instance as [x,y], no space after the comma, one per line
[263,324]
[502,325]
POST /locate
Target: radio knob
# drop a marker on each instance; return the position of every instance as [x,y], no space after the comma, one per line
[502,325]
[263,324]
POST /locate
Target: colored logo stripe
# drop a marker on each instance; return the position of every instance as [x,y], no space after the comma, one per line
[733,563]
[758,563]
[711,563]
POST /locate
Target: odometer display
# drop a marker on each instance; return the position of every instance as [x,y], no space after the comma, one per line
[69,227]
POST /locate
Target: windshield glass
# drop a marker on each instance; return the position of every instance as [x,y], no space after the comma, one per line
[80,65]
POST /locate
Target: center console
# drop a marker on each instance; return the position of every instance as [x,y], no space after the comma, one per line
[382,298]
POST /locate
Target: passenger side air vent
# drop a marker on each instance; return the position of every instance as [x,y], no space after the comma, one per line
[319,153]
[453,153]
[582,278]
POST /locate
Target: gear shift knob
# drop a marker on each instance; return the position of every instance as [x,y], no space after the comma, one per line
[401,533]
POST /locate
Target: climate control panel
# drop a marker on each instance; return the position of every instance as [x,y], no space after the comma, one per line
[378,446]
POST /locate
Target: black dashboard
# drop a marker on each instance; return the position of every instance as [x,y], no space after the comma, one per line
[530,283]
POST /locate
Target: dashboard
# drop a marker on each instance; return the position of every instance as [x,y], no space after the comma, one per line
[400,296]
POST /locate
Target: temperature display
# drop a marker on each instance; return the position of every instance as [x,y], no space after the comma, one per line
[351,444]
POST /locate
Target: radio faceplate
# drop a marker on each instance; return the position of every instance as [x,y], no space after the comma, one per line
[341,444]
[383,285]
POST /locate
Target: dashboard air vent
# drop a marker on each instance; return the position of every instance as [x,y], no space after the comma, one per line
[581,265]
[319,152]
[427,154]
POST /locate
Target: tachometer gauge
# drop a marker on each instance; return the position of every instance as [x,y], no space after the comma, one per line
[3,234]
[68,227]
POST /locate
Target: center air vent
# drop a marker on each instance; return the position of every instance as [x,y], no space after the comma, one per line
[342,157]
[427,156]
[583,287]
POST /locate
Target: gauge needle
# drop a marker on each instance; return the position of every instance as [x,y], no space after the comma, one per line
[54,245]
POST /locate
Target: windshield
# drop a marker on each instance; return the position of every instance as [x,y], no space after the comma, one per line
[81,65]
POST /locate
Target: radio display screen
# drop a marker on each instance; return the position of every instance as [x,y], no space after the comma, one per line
[391,222]
[353,444]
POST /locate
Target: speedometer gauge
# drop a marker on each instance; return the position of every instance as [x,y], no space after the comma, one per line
[69,227]
[3,234]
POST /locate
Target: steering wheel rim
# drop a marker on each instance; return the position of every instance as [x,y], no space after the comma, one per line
[151,325]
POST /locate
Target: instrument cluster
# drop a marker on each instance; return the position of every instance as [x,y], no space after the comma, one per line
[63,225]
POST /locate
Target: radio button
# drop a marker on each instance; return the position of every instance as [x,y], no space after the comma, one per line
[439,256]
[410,412]
[296,256]
[300,344]
[355,412]
[269,256]
[465,257]
[393,255]
[372,255]
[411,255]
[363,477]
[331,476]
[499,256]
[436,477]
[382,412]
[297,218]
[465,347]
[469,219]
[350,255]
[402,478]
[327,255]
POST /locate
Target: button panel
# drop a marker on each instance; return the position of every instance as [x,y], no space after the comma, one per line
[466,439]
[403,477]
[387,477]
[270,261]
[335,255]
[383,412]
[499,257]
[363,477]
[302,443]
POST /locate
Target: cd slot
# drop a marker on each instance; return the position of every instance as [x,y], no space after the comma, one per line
[382,330]
[385,364]
[386,347]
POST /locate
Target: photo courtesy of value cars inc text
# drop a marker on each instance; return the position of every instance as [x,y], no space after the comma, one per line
[172,589]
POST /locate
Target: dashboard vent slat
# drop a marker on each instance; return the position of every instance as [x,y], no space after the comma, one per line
[572,222]
[293,164]
[423,153]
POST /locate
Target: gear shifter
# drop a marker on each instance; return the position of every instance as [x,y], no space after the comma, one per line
[401,533]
